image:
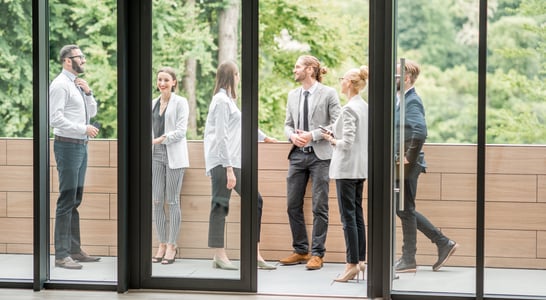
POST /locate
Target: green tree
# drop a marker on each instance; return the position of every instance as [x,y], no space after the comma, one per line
[92,27]
[15,68]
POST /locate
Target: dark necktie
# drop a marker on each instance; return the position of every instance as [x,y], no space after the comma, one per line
[305,112]
[84,103]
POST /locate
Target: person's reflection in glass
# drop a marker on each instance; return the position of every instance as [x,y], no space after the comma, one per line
[222,145]
[169,161]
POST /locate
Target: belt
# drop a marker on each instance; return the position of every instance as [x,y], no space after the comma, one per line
[70,140]
[306,150]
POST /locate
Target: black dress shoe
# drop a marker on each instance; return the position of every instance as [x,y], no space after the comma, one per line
[84,257]
[405,266]
[444,253]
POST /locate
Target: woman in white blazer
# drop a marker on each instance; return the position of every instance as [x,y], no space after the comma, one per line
[349,167]
[169,161]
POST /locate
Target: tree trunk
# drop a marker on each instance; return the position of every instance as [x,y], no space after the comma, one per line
[188,83]
[189,86]
[228,21]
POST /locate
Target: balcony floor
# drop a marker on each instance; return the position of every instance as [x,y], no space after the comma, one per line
[286,281]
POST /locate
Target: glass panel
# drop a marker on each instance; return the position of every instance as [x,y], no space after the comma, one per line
[515,191]
[16,244]
[336,34]
[440,103]
[83,196]
[196,136]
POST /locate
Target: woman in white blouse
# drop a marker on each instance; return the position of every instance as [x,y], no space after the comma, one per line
[349,167]
[223,160]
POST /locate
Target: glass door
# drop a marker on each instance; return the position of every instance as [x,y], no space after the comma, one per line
[196,207]
[434,117]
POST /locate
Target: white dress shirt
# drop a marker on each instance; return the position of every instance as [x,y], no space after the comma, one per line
[67,107]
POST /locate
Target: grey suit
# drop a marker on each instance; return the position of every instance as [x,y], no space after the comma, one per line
[314,162]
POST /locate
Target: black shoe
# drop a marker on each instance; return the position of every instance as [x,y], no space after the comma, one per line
[444,253]
[84,257]
[405,266]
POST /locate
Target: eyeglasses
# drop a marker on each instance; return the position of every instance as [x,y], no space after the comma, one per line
[80,56]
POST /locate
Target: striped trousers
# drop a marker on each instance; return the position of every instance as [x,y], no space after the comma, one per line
[166,185]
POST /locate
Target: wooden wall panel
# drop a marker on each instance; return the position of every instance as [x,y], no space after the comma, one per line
[511,188]
[515,159]
[196,155]
[273,157]
[16,230]
[3,152]
[196,182]
[515,209]
[445,158]
[113,204]
[460,187]
[541,244]
[98,154]
[515,216]
[18,204]
[511,243]
[16,178]
[113,153]
[4,204]
[19,152]
[541,197]
[449,214]
[429,186]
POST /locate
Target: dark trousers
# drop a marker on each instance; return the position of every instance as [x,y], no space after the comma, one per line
[411,219]
[302,167]
[349,198]
[71,166]
[219,208]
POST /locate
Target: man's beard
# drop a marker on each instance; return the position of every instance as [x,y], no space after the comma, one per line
[77,68]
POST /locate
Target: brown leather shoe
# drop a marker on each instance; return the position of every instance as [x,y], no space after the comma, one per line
[295,258]
[67,263]
[84,257]
[315,263]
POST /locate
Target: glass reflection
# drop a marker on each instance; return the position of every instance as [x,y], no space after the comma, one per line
[515,181]
[445,194]
[83,121]
[207,244]
[16,154]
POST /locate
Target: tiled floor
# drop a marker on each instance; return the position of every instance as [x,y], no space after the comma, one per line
[287,282]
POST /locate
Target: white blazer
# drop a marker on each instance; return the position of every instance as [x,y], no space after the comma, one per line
[176,126]
[350,156]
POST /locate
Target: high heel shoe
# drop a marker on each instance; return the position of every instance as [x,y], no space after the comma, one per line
[362,266]
[220,264]
[263,265]
[167,261]
[349,274]
[158,259]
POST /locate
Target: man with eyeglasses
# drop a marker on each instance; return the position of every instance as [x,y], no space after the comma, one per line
[71,105]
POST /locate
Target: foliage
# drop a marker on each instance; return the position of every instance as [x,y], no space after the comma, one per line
[440,34]
[178,34]
[308,31]
[15,68]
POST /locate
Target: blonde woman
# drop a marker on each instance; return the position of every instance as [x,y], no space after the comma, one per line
[349,167]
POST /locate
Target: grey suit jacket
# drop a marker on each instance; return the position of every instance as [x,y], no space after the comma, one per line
[323,110]
[350,157]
